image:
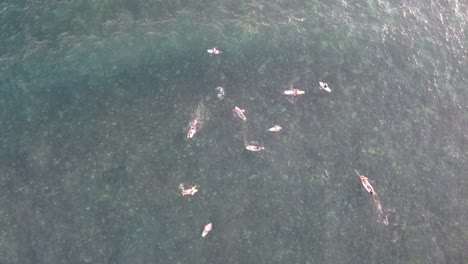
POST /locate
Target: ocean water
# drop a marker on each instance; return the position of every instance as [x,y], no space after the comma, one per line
[96,98]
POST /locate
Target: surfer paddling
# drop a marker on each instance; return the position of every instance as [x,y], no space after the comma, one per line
[370,189]
[293,92]
[240,113]
[190,191]
[275,128]
[196,122]
[366,184]
[214,51]
[254,148]
[192,129]
[207,229]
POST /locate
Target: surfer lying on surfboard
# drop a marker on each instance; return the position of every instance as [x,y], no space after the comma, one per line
[214,51]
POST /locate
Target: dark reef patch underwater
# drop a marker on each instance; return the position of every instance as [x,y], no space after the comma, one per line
[96,96]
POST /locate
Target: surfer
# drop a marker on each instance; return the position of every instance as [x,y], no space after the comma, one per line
[366,184]
[240,113]
[294,92]
[207,229]
[324,86]
[196,122]
[275,128]
[254,148]
[190,191]
[214,51]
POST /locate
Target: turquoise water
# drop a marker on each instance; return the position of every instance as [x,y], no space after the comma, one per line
[96,97]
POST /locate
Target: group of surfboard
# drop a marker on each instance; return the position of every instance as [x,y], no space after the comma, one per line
[196,124]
